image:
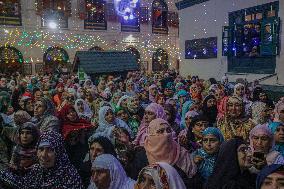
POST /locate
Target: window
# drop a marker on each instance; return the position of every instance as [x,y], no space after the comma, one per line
[131,23]
[159,17]
[160,60]
[95,15]
[54,13]
[251,41]
[10,12]
[11,59]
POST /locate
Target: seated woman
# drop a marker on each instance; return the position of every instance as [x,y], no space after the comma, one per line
[108,122]
[277,129]
[188,119]
[44,116]
[194,134]
[270,177]
[75,132]
[231,167]
[261,143]
[159,175]
[108,173]
[97,146]
[206,156]
[83,109]
[161,147]
[54,169]
[152,111]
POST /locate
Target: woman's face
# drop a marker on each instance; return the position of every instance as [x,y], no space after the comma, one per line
[261,143]
[262,97]
[95,150]
[210,144]
[279,134]
[281,115]
[240,91]
[38,95]
[211,102]
[109,117]
[149,116]
[153,91]
[234,109]
[46,157]
[147,182]
[244,156]
[163,129]
[80,106]
[199,127]
[273,181]
[123,103]
[116,99]
[161,101]
[71,115]
[26,136]
[22,104]
[123,115]
[188,120]
[30,105]
[219,94]
[39,108]
[101,177]
[89,96]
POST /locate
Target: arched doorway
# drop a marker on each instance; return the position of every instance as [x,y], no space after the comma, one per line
[11,59]
[55,58]
[160,60]
[96,48]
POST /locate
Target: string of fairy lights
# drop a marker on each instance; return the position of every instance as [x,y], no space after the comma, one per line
[76,38]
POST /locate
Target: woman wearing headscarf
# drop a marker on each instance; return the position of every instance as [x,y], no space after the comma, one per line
[171,118]
[185,108]
[152,111]
[44,116]
[277,129]
[221,99]
[108,173]
[75,132]
[231,167]
[160,176]
[24,153]
[262,142]
[279,110]
[235,123]
[209,109]
[54,169]
[206,156]
[153,91]
[239,91]
[26,104]
[115,98]
[160,146]
[83,109]
[260,113]
[122,102]
[108,123]
[271,176]
[97,146]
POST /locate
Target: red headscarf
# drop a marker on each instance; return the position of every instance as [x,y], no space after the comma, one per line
[71,126]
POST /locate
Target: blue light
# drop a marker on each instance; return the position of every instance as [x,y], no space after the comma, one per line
[131,17]
[125,17]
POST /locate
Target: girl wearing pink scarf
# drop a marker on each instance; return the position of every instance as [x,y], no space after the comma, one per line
[152,111]
[160,146]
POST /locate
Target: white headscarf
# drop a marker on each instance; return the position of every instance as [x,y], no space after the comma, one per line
[121,99]
[118,177]
[87,110]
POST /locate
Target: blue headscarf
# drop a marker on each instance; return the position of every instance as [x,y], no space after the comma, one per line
[265,172]
[185,108]
[205,168]
[273,127]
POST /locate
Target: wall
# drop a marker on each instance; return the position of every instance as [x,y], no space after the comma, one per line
[206,20]
[33,47]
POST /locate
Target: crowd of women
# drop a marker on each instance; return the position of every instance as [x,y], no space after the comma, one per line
[144,131]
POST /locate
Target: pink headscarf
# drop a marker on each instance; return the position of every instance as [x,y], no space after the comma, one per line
[221,106]
[159,112]
[278,107]
[163,148]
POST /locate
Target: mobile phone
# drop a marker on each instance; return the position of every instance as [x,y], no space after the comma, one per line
[258,155]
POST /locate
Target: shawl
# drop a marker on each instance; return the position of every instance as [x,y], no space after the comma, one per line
[87,113]
[164,176]
[62,175]
[163,147]
[159,112]
[69,126]
[119,179]
[256,109]
[278,146]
